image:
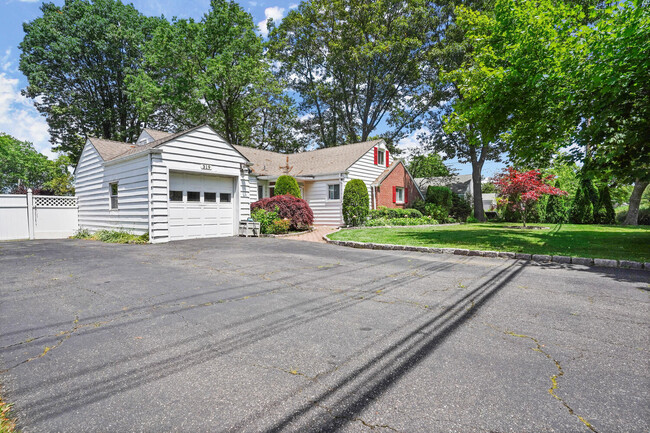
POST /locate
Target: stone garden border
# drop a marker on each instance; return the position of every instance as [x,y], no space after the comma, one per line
[540,258]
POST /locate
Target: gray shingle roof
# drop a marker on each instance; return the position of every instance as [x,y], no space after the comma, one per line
[321,161]
[459,184]
[109,149]
[156,134]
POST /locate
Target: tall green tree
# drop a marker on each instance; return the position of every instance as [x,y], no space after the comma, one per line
[358,64]
[430,165]
[76,58]
[21,165]
[214,71]
[472,143]
[541,79]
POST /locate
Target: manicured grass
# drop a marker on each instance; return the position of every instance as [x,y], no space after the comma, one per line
[607,242]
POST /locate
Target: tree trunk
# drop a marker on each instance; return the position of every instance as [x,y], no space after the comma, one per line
[632,218]
[477,194]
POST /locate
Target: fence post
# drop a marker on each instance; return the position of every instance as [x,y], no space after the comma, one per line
[30,213]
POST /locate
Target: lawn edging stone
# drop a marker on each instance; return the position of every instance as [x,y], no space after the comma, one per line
[542,258]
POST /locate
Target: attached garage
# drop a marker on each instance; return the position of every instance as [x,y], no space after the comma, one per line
[187,185]
[200,206]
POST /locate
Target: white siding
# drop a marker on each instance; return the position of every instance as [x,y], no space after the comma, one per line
[366,170]
[91,186]
[326,212]
[203,151]
[158,196]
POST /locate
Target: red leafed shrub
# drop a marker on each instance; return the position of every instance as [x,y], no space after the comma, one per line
[287,206]
[521,189]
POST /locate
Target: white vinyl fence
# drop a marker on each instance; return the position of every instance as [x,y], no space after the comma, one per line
[27,216]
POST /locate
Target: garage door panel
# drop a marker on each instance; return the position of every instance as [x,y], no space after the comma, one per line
[189,220]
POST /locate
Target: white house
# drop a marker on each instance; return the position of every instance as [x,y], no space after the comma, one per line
[195,184]
[322,175]
[191,184]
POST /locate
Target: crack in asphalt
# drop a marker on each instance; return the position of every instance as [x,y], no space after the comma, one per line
[554,378]
[330,411]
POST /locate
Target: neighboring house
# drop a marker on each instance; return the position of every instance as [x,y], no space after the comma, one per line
[461,185]
[194,184]
[322,175]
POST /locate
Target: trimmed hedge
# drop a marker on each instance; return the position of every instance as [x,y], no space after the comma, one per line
[644,216]
[401,221]
[287,185]
[556,209]
[582,210]
[440,195]
[460,208]
[287,206]
[604,211]
[388,212]
[355,202]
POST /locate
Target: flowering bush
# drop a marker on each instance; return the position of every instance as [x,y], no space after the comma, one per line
[520,190]
[288,207]
[280,226]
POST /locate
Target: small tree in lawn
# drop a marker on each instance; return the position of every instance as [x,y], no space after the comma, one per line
[521,190]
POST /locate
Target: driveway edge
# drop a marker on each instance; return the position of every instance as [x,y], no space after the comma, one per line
[541,258]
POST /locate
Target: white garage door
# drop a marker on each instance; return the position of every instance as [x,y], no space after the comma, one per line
[200,206]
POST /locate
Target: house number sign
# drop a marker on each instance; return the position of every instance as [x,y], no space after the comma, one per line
[206,167]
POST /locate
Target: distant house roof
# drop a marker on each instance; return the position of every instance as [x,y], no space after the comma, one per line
[311,163]
[460,184]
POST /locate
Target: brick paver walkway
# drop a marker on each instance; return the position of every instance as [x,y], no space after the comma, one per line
[314,236]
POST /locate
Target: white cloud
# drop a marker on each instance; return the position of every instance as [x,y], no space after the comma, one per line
[275,12]
[293,6]
[5,61]
[19,118]
[252,3]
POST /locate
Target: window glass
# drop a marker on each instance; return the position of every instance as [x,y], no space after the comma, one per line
[334,192]
[224,197]
[210,197]
[380,157]
[260,192]
[112,188]
[175,195]
[193,196]
[400,195]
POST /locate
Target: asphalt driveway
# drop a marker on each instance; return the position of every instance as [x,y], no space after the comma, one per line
[270,335]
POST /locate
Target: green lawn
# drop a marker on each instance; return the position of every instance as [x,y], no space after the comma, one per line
[607,242]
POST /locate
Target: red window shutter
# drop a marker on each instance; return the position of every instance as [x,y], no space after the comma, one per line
[394,194]
[375,156]
[406,195]
[387,158]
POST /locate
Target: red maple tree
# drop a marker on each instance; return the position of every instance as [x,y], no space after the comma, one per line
[521,189]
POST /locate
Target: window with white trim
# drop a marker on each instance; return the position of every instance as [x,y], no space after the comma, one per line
[112,190]
[260,192]
[334,191]
[380,157]
[399,195]
[175,195]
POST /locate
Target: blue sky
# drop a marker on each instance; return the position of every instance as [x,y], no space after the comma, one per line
[19,118]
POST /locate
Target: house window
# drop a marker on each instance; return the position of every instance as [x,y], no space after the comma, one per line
[210,197]
[175,195]
[112,188]
[224,197]
[380,158]
[193,196]
[260,192]
[334,192]
[271,192]
[399,195]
